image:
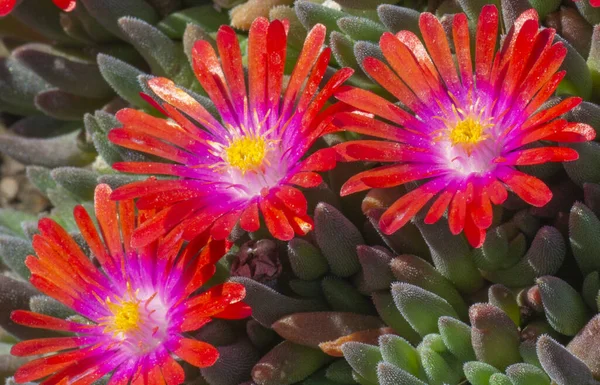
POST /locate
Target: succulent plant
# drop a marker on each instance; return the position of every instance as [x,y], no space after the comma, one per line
[345,303]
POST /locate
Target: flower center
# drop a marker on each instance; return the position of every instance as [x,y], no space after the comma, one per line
[247,153]
[467,132]
[126,316]
[137,322]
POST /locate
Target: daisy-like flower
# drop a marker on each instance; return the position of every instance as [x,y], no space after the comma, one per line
[465,129]
[6,6]
[138,304]
[250,160]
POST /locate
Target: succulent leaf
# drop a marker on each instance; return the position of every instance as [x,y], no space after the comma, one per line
[314,328]
[565,310]
[389,374]
[306,260]
[457,338]
[338,239]
[420,307]
[562,366]
[288,363]
[494,336]
[479,373]
[400,353]
[363,358]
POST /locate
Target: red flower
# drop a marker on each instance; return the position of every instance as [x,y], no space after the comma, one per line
[249,161]
[466,128]
[140,303]
[6,6]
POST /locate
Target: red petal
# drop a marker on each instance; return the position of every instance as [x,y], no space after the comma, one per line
[49,345]
[276,220]
[574,132]
[541,155]
[239,310]
[542,96]
[222,226]
[497,192]
[165,221]
[366,125]
[529,188]
[405,208]
[6,6]
[249,219]
[210,75]
[481,208]
[552,112]
[42,367]
[369,102]
[457,214]
[310,52]
[276,51]
[172,372]
[136,140]
[321,160]
[383,75]
[257,65]
[487,33]
[194,352]
[306,179]
[323,96]
[474,234]
[439,49]
[106,214]
[389,176]
[462,46]
[402,60]
[381,151]
[292,199]
[92,238]
[231,59]
[216,299]
[438,208]
[65,5]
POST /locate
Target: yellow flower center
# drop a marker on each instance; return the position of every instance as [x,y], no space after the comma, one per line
[126,317]
[467,132]
[246,153]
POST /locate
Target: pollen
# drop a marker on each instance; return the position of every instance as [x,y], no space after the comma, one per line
[467,132]
[246,153]
[125,318]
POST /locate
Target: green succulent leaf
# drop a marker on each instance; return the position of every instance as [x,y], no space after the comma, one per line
[338,239]
[565,310]
[363,358]
[306,260]
[389,374]
[13,252]
[479,373]
[525,374]
[457,338]
[122,77]
[288,363]
[399,352]
[420,307]
[584,235]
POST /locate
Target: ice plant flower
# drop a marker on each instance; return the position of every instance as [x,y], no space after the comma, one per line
[249,161]
[6,6]
[464,129]
[138,302]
